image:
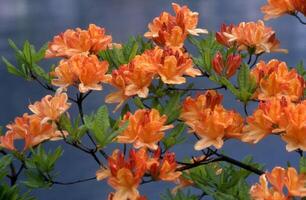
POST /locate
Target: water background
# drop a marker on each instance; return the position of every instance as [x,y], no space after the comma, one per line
[38,21]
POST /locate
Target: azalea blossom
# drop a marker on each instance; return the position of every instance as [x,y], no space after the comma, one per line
[277,8]
[85,72]
[295,126]
[145,128]
[30,128]
[164,169]
[78,41]
[210,120]
[51,107]
[269,117]
[171,31]
[123,175]
[227,67]
[281,180]
[300,6]
[276,80]
[250,36]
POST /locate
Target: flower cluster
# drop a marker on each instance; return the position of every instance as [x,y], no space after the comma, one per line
[278,116]
[145,129]
[38,127]
[85,72]
[274,79]
[136,77]
[126,175]
[281,180]
[250,36]
[277,8]
[171,31]
[73,42]
[210,120]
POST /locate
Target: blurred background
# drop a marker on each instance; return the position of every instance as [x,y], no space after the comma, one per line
[38,21]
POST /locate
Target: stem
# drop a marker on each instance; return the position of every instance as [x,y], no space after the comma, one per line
[250,58]
[299,18]
[245,109]
[73,182]
[196,89]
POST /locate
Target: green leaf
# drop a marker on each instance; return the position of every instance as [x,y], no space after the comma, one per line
[137,101]
[302,165]
[12,193]
[173,107]
[36,180]
[178,196]
[12,69]
[5,161]
[175,136]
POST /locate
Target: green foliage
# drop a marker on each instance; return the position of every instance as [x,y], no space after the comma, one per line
[12,193]
[222,180]
[75,129]
[303,165]
[39,168]
[122,55]
[207,49]
[27,59]
[246,84]
[172,107]
[5,161]
[175,136]
[178,196]
[99,124]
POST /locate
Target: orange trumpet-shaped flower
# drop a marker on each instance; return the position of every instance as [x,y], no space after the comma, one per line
[171,31]
[31,129]
[300,6]
[281,180]
[274,79]
[251,36]
[145,129]
[86,72]
[51,108]
[277,8]
[187,19]
[124,175]
[207,118]
[174,65]
[221,35]
[268,118]
[77,41]
[119,81]
[295,126]
[166,169]
[227,68]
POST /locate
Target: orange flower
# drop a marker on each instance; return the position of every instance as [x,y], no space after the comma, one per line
[51,108]
[32,129]
[300,6]
[77,41]
[166,169]
[119,81]
[268,118]
[251,36]
[187,19]
[124,176]
[279,178]
[227,68]
[174,65]
[145,129]
[86,72]
[277,8]
[274,79]
[171,31]
[99,40]
[295,126]
[221,35]
[207,118]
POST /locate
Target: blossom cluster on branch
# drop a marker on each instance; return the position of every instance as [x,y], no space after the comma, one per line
[151,74]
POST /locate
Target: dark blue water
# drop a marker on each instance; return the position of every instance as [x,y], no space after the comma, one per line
[38,21]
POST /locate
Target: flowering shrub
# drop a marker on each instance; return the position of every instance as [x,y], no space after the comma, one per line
[150,79]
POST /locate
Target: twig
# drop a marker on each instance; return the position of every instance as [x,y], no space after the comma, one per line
[73,182]
[196,89]
[299,18]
